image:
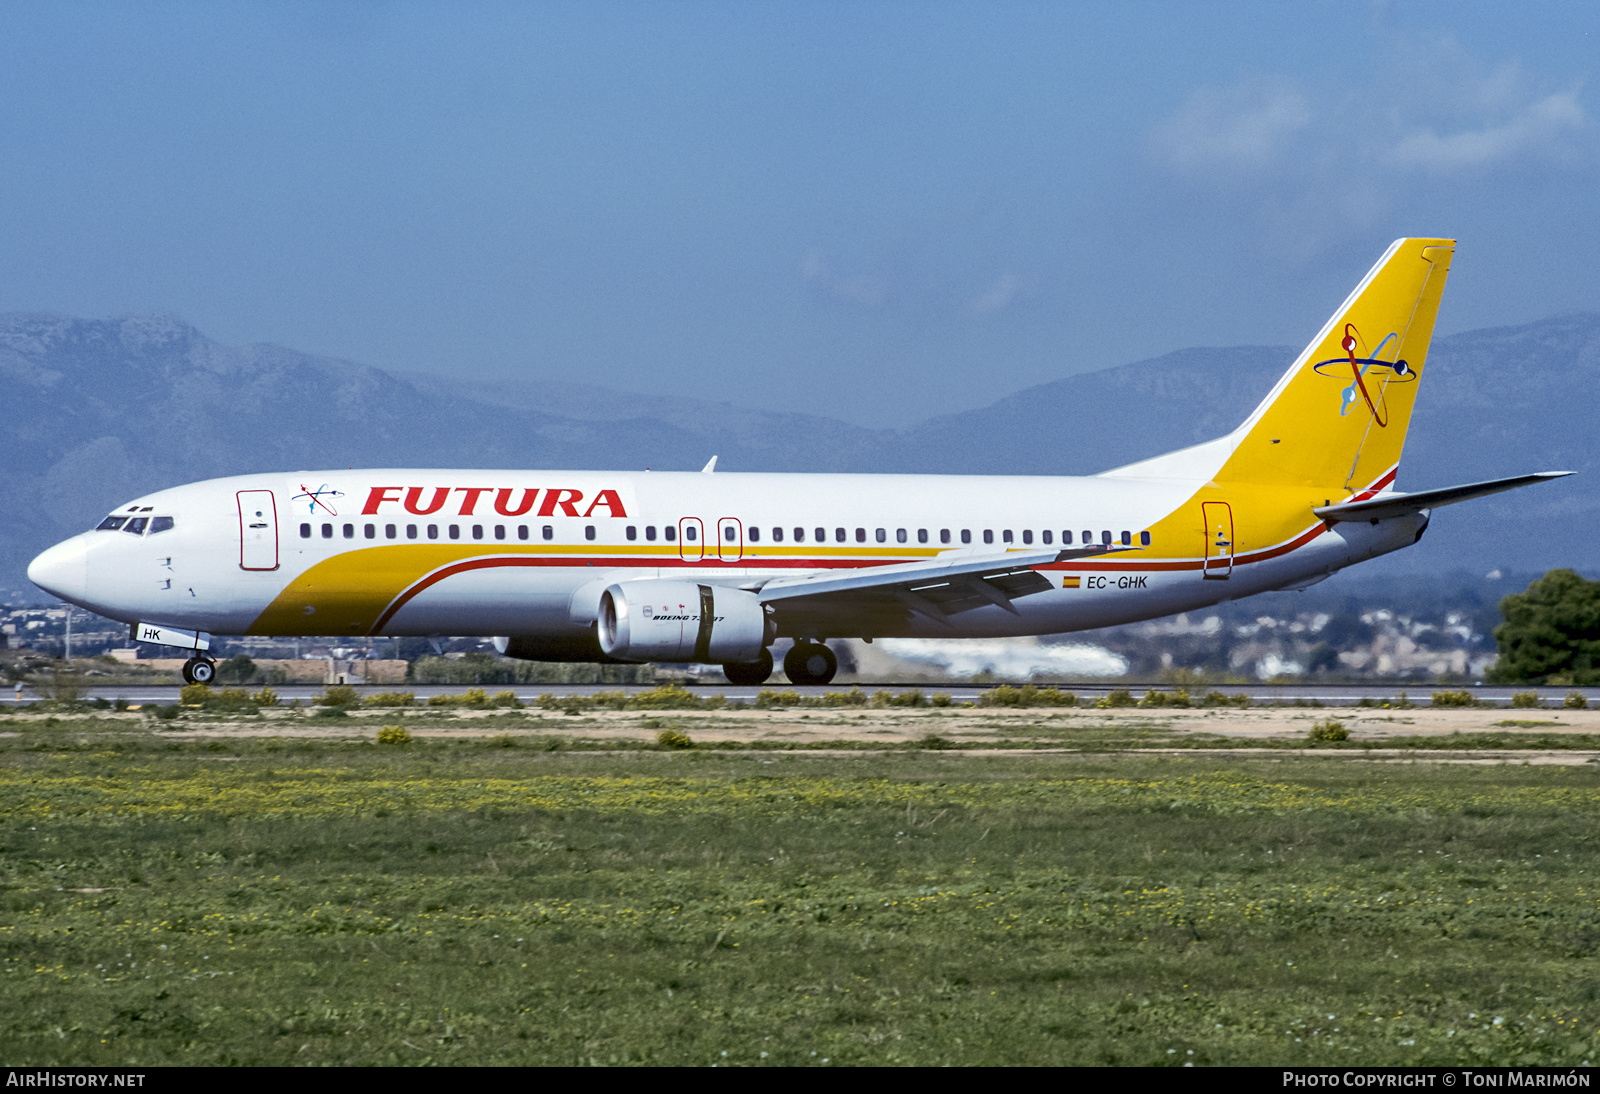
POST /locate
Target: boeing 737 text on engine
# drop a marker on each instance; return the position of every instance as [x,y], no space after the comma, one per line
[714,568]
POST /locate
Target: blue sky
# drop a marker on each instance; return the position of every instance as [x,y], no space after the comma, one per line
[873,211]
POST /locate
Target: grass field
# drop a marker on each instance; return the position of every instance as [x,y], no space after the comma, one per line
[501,899]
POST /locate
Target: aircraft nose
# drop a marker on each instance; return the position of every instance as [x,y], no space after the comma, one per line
[63,570]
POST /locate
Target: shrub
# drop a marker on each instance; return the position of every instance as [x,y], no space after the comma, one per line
[940,699]
[1116,697]
[1027,696]
[1328,731]
[194,695]
[904,699]
[1527,699]
[767,698]
[391,699]
[674,738]
[506,699]
[337,695]
[394,735]
[855,697]
[266,697]
[1576,700]
[164,714]
[936,743]
[1153,698]
[503,740]
[1217,699]
[1454,699]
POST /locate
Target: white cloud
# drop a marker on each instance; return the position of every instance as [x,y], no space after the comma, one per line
[868,292]
[1232,127]
[997,296]
[1547,124]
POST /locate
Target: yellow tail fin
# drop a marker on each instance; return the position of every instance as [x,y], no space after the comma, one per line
[1338,418]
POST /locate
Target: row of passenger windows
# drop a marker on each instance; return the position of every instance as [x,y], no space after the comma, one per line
[431,531]
[669,533]
[136,526]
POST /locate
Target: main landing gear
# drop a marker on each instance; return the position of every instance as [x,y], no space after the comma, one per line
[199,670]
[750,673]
[810,663]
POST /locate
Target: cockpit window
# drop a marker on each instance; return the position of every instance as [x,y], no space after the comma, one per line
[160,524]
[111,524]
[135,527]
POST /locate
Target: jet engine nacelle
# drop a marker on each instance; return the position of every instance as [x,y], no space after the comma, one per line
[682,621]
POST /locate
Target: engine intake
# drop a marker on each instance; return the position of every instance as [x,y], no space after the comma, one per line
[682,621]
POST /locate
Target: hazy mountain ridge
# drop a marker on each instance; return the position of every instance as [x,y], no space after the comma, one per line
[97,411]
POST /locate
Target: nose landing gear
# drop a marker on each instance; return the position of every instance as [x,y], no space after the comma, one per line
[810,663]
[199,670]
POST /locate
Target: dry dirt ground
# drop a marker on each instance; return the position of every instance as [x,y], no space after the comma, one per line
[1077,730]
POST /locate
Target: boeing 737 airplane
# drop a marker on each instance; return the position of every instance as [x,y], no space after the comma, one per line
[714,568]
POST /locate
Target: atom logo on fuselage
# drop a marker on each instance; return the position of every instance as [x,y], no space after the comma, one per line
[1361,369]
[318,498]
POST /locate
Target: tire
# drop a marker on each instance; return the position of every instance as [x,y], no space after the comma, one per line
[809,664]
[200,670]
[749,673]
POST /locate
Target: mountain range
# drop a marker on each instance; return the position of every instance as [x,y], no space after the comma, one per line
[98,411]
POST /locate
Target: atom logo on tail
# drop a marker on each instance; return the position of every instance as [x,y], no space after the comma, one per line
[1364,368]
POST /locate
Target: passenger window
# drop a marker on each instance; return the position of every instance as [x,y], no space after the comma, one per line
[1045,537]
[588,531]
[349,531]
[548,532]
[1127,539]
[477,531]
[899,535]
[499,531]
[1144,539]
[327,530]
[163,524]
[822,535]
[389,531]
[650,532]
[1066,537]
[411,531]
[689,533]
[1088,537]
[1006,535]
[922,535]
[305,530]
[966,535]
[632,533]
[879,535]
[522,531]
[755,534]
[838,535]
[1105,539]
[777,534]
[433,531]
[728,533]
[1027,537]
[110,524]
[455,531]
[799,535]
[669,533]
[988,535]
[370,531]
[944,535]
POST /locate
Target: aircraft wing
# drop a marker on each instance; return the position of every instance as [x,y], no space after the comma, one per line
[1385,506]
[936,588]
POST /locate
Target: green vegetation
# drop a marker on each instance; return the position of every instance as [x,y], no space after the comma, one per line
[1454,699]
[394,735]
[473,902]
[1551,633]
[1330,730]
[483,668]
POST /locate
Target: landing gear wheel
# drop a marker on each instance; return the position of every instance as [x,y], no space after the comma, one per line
[810,663]
[199,670]
[749,673]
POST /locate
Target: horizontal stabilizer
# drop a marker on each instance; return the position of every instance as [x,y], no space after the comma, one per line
[1385,506]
